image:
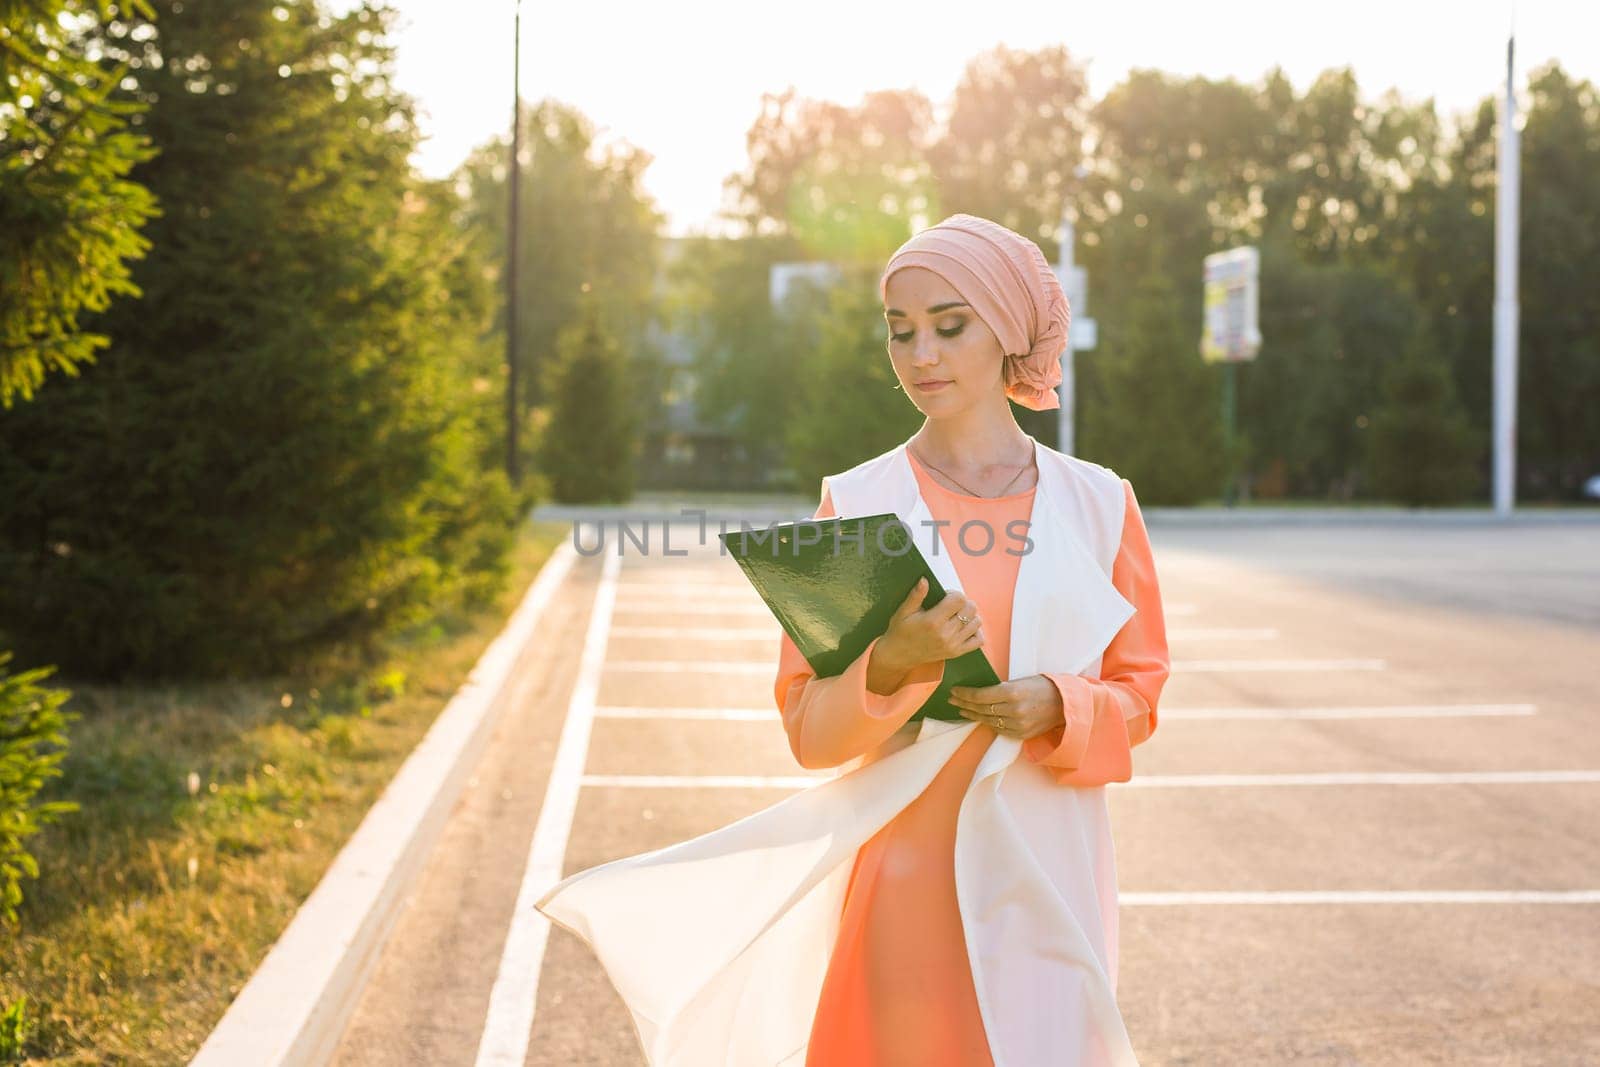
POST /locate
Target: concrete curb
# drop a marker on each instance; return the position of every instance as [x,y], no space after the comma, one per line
[296,1006]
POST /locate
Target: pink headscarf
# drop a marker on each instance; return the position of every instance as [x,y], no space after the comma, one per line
[1005,277]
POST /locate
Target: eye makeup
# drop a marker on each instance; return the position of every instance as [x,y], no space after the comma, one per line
[953,331]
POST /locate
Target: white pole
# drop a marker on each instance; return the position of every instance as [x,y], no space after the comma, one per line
[1067,393]
[1505,297]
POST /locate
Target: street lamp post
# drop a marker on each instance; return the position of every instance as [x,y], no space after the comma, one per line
[512,471]
[1066,414]
[1505,297]
[1082,331]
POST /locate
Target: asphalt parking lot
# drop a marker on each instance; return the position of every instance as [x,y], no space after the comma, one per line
[1364,832]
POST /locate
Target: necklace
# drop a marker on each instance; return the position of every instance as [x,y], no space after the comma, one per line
[947,474]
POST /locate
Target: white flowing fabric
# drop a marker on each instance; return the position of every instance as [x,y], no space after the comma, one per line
[719,945]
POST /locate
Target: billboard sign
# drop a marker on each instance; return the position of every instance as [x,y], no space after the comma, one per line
[1232,291]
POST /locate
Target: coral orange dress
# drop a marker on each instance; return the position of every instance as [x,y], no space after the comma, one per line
[898,990]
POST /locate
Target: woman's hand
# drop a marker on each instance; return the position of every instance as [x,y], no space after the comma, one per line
[914,637]
[1021,707]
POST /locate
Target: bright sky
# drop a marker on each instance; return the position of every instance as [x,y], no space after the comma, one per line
[683,80]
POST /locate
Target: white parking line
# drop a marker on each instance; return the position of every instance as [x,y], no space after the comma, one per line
[701,633]
[1376,711]
[1363,896]
[689,666]
[1148,781]
[706,781]
[1230,665]
[667,607]
[617,711]
[688,589]
[1189,781]
[674,666]
[509,1020]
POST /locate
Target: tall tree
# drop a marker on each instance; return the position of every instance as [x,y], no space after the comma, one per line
[69,223]
[1558,395]
[1442,239]
[70,218]
[277,451]
[587,227]
[844,182]
[1014,141]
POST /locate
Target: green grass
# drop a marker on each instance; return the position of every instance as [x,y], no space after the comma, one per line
[208,814]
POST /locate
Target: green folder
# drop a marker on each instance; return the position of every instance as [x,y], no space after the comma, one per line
[833,585]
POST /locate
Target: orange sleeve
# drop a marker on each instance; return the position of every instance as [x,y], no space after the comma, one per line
[830,721]
[1107,716]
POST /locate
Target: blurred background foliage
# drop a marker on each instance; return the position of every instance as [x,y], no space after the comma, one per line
[254,364]
[1375,221]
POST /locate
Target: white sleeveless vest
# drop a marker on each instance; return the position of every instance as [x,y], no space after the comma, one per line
[719,945]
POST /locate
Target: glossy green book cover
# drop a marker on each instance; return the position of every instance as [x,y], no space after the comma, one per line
[833,585]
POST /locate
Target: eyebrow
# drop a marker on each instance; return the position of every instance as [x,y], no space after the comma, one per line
[892,312]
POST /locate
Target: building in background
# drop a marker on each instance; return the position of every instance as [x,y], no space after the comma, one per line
[783,277]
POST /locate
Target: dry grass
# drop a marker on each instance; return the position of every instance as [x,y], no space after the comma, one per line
[208,814]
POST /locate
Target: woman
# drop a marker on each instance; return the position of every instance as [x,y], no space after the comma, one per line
[851,925]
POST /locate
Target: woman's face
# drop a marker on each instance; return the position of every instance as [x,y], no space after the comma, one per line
[945,356]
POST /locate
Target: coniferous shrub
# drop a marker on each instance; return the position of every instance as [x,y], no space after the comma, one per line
[30,719]
[588,443]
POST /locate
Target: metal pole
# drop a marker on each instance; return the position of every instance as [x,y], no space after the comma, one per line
[512,471]
[1506,201]
[1229,405]
[1068,395]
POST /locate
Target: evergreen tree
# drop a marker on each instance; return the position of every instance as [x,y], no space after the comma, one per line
[69,223]
[281,448]
[1423,448]
[588,445]
[70,217]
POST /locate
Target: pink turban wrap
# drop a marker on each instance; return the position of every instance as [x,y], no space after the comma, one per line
[1005,277]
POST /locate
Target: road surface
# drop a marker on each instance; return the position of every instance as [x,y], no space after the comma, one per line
[1366,830]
